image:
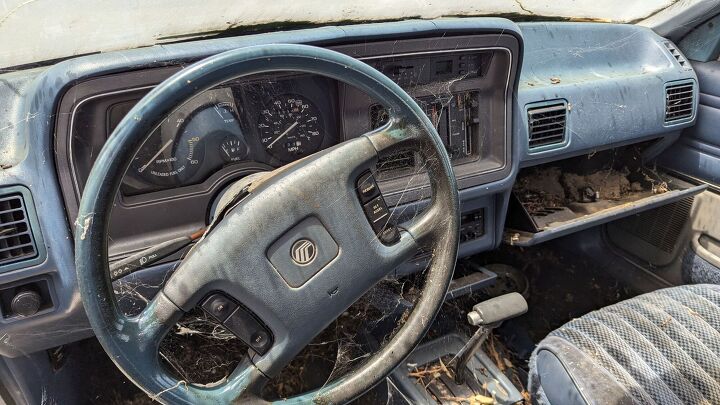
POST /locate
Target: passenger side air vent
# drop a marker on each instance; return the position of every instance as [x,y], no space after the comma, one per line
[17,242]
[679,101]
[677,55]
[546,124]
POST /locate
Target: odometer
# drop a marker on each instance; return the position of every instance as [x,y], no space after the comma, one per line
[290,127]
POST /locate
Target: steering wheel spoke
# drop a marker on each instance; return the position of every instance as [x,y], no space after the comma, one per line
[149,328]
[424,227]
[396,134]
[154,322]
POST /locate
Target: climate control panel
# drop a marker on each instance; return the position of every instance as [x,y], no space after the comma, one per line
[472,225]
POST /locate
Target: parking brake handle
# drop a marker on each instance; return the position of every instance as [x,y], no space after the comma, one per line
[486,315]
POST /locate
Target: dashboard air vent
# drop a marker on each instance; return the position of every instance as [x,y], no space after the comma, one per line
[16,238]
[677,55]
[679,101]
[546,124]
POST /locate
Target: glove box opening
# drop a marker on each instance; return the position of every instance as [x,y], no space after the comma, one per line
[566,196]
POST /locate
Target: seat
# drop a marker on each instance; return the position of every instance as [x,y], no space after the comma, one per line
[658,348]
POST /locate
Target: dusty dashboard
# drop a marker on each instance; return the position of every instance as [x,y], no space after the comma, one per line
[253,124]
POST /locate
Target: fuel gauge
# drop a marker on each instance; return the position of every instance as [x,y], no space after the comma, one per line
[233,149]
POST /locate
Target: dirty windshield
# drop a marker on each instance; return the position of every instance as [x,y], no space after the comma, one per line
[36,31]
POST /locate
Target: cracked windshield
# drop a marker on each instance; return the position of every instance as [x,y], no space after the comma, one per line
[503,202]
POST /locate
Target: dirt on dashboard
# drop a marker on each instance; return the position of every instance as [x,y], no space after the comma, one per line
[611,176]
[558,187]
[551,187]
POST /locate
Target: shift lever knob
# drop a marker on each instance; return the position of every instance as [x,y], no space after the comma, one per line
[497,309]
[487,315]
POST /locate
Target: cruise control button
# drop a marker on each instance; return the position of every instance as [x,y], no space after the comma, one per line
[377,213]
[249,330]
[390,235]
[219,307]
[259,339]
[367,187]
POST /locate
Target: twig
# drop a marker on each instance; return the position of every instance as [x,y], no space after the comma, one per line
[472,400]
[494,353]
[156,396]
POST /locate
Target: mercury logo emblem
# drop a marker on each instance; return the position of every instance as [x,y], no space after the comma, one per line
[303,251]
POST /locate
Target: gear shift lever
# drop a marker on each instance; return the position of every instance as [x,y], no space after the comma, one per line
[487,315]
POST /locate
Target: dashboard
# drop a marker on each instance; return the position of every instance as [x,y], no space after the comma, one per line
[486,83]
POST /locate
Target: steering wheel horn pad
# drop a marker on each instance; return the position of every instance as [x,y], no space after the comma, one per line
[303,251]
[252,253]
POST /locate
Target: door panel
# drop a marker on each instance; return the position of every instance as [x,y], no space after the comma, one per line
[697,155]
[702,261]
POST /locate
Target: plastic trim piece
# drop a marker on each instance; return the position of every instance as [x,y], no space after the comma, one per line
[702,43]
[480,365]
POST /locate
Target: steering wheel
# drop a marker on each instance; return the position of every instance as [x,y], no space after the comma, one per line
[291,252]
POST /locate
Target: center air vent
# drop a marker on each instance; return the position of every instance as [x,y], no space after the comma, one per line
[679,101]
[16,238]
[546,124]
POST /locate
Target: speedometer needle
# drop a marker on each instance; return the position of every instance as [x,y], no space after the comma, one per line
[282,135]
[145,166]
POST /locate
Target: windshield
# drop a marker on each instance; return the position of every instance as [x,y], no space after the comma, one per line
[34,30]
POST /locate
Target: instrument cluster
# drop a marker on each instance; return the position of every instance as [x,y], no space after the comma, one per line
[265,122]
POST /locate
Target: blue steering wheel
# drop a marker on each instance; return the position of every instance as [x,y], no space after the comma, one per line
[232,258]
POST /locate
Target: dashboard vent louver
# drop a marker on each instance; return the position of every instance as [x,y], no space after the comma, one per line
[16,238]
[546,124]
[679,101]
[677,55]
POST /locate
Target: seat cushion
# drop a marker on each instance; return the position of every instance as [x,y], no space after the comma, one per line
[658,348]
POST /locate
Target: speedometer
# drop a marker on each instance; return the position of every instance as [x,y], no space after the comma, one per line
[290,127]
